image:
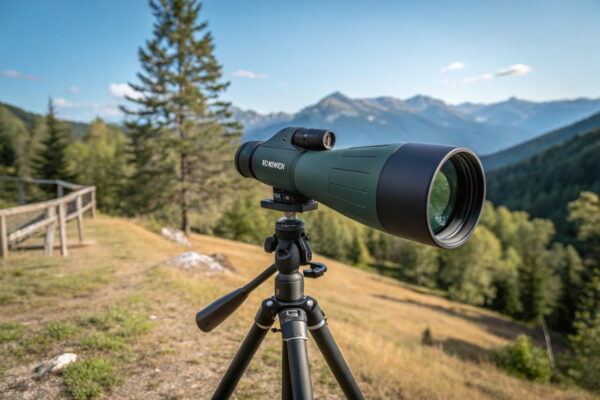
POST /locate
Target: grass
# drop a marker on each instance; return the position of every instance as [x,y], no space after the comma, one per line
[98,301]
[101,342]
[59,330]
[10,331]
[118,321]
[88,379]
[29,344]
[25,286]
[111,330]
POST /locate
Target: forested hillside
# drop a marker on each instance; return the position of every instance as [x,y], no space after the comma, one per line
[544,184]
[21,139]
[522,151]
[30,119]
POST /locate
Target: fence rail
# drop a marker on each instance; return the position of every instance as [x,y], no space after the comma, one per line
[22,222]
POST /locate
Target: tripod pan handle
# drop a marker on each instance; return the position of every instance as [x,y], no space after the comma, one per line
[209,318]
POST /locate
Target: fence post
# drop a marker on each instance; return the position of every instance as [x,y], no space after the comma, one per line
[548,342]
[3,237]
[79,219]
[94,202]
[21,186]
[62,227]
[59,190]
[50,229]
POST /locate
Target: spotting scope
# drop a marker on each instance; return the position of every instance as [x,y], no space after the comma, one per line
[428,193]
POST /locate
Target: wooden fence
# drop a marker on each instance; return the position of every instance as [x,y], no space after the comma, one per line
[22,222]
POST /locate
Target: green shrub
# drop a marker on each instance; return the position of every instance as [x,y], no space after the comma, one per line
[524,360]
[88,379]
[427,338]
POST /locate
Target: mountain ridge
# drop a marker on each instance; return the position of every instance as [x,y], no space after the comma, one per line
[422,118]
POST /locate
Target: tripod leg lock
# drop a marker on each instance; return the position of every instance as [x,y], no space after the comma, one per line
[293,324]
[315,316]
[265,316]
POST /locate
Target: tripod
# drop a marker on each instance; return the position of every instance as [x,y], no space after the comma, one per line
[297,313]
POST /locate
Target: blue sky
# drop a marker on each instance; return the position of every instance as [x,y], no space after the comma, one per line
[283,55]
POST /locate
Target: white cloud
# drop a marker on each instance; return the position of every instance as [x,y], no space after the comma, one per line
[517,69]
[90,109]
[453,66]
[9,73]
[110,110]
[63,103]
[74,89]
[242,73]
[483,77]
[122,90]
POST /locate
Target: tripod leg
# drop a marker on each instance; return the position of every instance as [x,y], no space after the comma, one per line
[286,383]
[245,353]
[322,336]
[293,328]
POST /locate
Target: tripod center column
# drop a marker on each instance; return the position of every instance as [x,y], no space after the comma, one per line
[292,251]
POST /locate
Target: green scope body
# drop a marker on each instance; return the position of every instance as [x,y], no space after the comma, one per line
[428,193]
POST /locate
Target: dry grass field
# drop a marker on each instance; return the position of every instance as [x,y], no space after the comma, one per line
[130,318]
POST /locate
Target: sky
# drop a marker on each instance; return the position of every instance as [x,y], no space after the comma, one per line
[284,55]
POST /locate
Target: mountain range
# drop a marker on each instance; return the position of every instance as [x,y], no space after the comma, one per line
[486,128]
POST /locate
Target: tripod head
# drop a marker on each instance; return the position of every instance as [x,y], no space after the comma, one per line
[291,248]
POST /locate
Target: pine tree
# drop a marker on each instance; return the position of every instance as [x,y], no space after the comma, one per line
[182,139]
[566,263]
[358,254]
[585,366]
[99,160]
[52,161]
[585,213]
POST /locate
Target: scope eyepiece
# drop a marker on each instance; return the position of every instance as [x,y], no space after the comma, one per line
[243,158]
[314,139]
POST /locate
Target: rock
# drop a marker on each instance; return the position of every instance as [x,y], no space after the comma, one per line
[210,264]
[176,236]
[55,364]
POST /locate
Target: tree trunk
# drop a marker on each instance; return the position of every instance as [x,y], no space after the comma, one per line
[185,201]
